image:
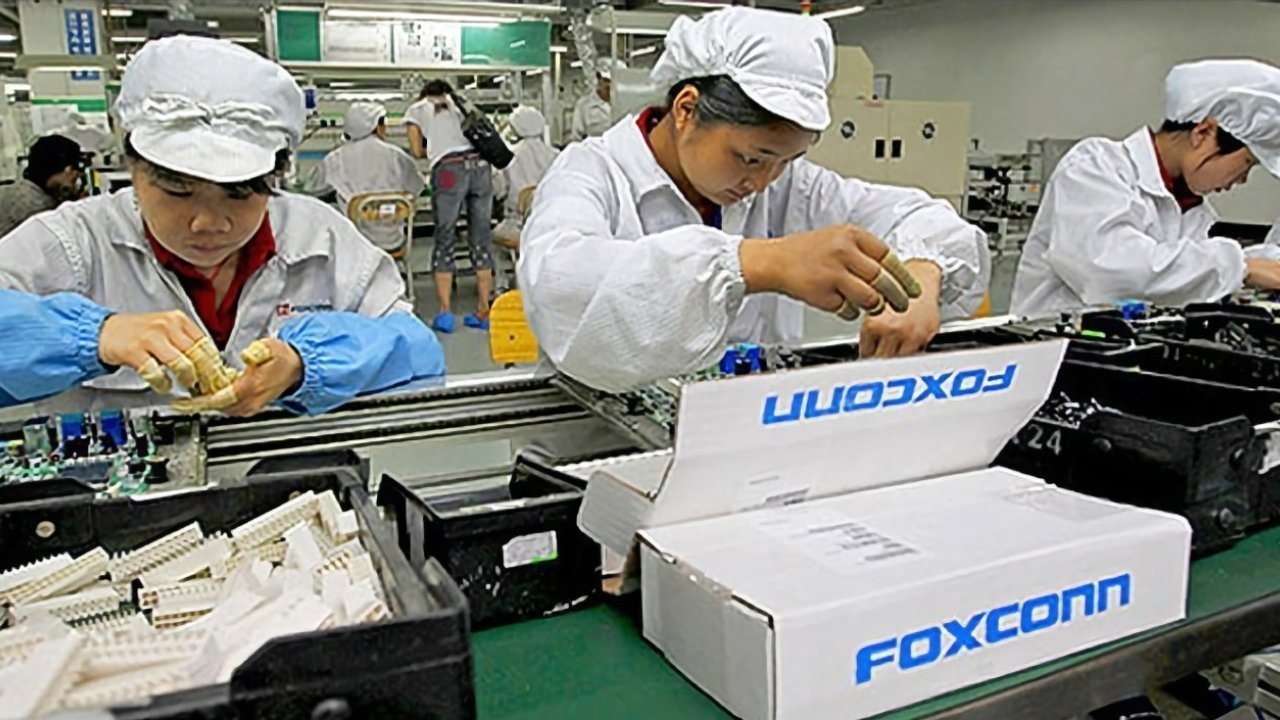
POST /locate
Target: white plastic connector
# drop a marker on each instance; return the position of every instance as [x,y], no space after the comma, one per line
[129,565]
[26,573]
[126,655]
[329,508]
[116,689]
[303,552]
[340,557]
[82,571]
[148,597]
[271,526]
[177,612]
[84,604]
[211,555]
[38,685]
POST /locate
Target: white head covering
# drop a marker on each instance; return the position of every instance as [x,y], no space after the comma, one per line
[362,119]
[209,108]
[781,60]
[527,122]
[1242,95]
[605,67]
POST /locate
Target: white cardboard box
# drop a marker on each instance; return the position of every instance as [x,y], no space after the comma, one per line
[854,605]
[825,543]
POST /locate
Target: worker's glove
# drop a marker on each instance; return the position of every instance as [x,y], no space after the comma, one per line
[149,344]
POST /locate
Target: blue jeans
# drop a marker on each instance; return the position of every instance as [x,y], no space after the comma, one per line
[458,180]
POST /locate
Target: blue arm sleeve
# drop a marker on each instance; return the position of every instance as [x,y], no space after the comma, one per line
[47,344]
[345,355]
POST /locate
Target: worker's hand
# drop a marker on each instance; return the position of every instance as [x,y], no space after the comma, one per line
[272,368]
[842,269]
[1262,273]
[150,343]
[894,334]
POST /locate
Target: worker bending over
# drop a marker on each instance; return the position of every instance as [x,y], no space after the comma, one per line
[203,232]
[53,175]
[700,223]
[1129,220]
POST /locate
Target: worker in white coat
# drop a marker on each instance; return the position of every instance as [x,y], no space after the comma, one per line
[205,239]
[367,163]
[1129,219]
[92,139]
[531,158]
[593,113]
[695,225]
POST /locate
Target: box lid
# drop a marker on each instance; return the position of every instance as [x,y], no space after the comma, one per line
[781,438]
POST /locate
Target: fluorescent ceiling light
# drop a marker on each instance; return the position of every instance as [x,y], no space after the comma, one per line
[472,86]
[642,31]
[536,71]
[575,64]
[649,50]
[559,49]
[338,84]
[352,14]
[244,39]
[369,95]
[500,79]
[126,39]
[17,87]
[118,12]
[694,3]
[842,12]
[212,23]
[7,37]
[8,55]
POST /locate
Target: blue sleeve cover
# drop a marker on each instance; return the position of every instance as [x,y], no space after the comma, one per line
[47,344]
[345,355]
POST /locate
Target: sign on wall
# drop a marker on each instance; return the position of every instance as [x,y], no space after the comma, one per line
[82,39]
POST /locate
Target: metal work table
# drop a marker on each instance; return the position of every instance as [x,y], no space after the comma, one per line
[595,663]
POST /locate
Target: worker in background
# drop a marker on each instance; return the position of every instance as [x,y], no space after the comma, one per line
[366,163]
[1129,219]
[92,139]
[54,174]
[532,158]
[50,344]
[459,179]
[593,114]
[203,232]
[700,223]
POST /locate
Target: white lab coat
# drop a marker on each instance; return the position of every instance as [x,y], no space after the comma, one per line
[368,165]
[623,284]
[531,158]
[97,248]
[592,117]
[1270,248]
[1108,229]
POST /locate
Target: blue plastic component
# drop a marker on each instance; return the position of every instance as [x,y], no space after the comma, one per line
[753,358]
[1133,309]
[729,361]
[72,425]
[113,427]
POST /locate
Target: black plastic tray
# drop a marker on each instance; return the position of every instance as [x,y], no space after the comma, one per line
[416,664]
[476,535]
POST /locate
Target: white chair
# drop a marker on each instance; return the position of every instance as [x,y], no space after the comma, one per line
[386,219]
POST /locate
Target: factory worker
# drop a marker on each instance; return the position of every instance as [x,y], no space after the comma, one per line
[700,224]
[593,113]
[1129,219]
[50,344]
[92,139]
[367,163]
[202,232]
[460,180]
[531,157]
[53,175]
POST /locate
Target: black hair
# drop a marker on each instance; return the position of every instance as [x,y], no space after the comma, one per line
[722,100]
[436,87]
[1227,143]
[261,185]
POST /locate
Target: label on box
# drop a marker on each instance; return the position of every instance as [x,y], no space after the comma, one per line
[834,540]
[530,549]
[1067,506]
[770,491]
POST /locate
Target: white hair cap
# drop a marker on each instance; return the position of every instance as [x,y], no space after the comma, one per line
[1242,95]
[527,122]
[782,61]
[209,108]
[362,119]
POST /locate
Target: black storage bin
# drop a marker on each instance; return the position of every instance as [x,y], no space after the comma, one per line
[515,549]
[1169,443]
[417,664]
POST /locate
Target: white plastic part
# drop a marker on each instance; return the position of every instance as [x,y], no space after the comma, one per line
[82,571]
[26,573]
[271,526]
[38,684]
[84,604]
[303,553]
[329,509]
[209,556]
[128,654]
[129,565]
[178,611]
[115,689]
[149,596]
